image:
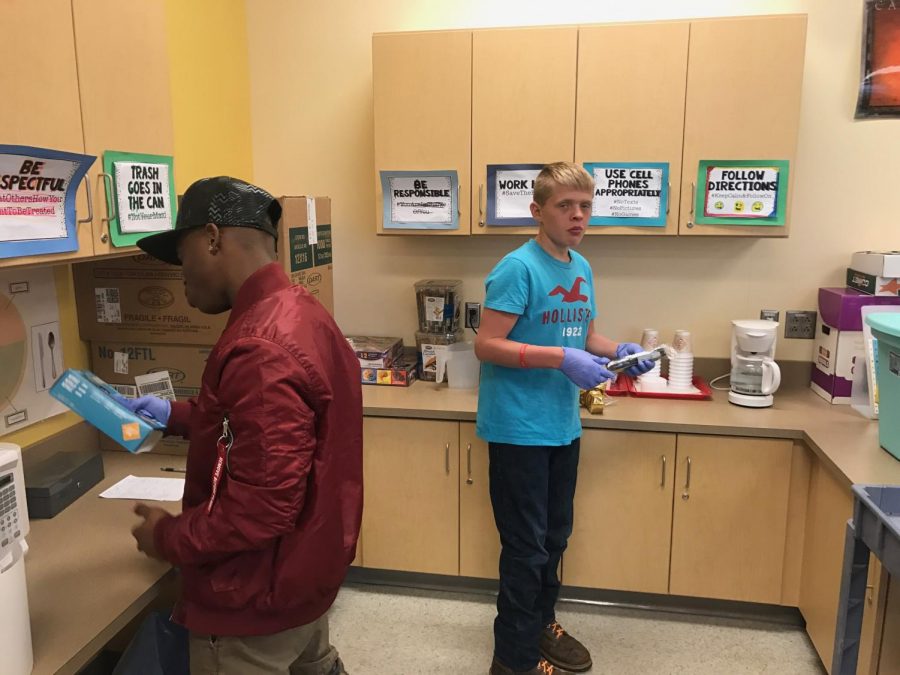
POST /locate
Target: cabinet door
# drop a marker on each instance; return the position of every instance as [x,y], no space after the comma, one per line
[743,102]
[423,111]
[523,105]
[730,517]
[623,512]
[631,87]
[479,542]
[123,73]
[42,106]
[889,661]
[411,514]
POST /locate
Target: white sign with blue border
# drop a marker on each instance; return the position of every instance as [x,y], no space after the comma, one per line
[37,200]
[634,194]
[420,200]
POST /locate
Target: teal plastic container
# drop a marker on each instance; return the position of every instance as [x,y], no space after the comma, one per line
[886,329]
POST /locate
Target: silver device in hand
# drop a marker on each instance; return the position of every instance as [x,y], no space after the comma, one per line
[626,362]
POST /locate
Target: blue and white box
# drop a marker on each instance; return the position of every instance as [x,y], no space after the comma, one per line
[92,398]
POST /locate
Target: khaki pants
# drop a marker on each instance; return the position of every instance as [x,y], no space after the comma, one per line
[304,650]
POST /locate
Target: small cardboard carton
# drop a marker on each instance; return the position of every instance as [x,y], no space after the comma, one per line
[375,352]
[304,245]
[92,398]
[877,263]
[871,284]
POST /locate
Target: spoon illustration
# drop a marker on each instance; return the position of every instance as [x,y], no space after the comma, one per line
[51,342]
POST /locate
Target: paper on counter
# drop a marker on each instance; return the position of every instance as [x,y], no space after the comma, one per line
[154,489]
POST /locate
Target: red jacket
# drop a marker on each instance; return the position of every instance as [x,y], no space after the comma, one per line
[282,531]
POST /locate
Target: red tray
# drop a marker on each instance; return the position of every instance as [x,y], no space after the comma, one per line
[621,387]
[701,384]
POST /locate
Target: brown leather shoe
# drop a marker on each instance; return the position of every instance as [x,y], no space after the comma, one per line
[542,668]
[564,651]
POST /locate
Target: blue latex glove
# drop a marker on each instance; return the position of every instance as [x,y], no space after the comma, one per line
[148,406]
[627,349]
[585,369]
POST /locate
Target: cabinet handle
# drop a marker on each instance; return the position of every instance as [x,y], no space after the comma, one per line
[690,223]
[87,188]
[112,212]
[668,197]
[480,208]
[447,458]
[469,480]
[458,203]
[687,484]
[662,482]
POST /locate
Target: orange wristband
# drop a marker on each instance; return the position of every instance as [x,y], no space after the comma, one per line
[522,356]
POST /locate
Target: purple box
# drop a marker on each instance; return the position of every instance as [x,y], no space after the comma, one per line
[839,307]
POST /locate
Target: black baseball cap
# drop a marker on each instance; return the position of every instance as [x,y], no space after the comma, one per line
[223,201]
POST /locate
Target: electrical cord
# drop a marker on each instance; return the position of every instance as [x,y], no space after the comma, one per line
[716,379]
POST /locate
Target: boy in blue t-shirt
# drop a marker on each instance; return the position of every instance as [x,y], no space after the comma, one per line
[538,346]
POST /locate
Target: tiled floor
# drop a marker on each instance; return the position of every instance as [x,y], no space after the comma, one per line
[393,631]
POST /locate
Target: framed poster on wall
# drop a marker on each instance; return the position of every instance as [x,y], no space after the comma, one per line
[879,87]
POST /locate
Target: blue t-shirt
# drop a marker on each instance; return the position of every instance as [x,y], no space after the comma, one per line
[555,304]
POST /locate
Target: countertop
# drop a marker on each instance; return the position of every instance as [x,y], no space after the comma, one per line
[86,578]
[840,437]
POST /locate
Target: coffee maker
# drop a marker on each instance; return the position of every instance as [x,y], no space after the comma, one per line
[754,374]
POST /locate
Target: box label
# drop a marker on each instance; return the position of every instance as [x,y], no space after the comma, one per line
[107,304]
[120,363]
[305,255]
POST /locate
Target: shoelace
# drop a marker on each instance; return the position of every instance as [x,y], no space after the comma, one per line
[546,667]
[557,629]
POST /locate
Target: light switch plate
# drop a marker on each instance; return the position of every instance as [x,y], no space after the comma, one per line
[769,314]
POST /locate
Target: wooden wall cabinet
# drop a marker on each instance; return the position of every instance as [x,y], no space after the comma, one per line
[676,92]
[42,108]
[126,102]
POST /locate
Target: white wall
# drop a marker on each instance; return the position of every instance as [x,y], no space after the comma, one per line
[310,73]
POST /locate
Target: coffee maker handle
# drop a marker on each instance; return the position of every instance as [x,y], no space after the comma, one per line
[771,377]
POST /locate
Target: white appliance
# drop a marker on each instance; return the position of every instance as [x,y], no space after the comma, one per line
[754,374]
[15,625]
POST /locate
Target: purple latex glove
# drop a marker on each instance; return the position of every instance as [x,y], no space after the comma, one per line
[154,407]
[585,369]
[627,349]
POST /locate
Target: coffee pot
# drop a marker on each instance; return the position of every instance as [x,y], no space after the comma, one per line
[754,374]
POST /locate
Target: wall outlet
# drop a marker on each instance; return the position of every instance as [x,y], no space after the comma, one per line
[473,314]
[769,314]
[800,324]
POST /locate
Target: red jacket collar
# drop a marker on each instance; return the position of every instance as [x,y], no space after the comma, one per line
[265,281]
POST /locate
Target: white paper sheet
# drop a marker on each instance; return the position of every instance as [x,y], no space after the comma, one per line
[155,489]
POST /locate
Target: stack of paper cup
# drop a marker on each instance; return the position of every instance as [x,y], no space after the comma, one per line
[681,362]
[652,380]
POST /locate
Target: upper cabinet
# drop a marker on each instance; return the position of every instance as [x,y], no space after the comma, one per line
[423,111]
[126,102]
[631,88]
[743,102]
[45,112]
[523,105]
[673,93]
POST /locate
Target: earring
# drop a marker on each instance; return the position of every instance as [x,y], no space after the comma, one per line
[213,248]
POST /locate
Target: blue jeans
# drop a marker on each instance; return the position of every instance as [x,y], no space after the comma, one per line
[532,492]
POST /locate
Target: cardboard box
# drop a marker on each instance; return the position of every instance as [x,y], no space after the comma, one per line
[184,363]
[872,285]
[401,373]
[139,299]
[89,396]
[304,245]
[877,263]
[836,353]
[375,352]
[839,346]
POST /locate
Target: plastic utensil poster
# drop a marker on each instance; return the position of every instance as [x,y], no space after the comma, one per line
[37,200]
[31,348]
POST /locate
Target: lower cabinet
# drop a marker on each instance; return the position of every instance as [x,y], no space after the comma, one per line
[479,543]
[411,507]
[623,512]
[730,517]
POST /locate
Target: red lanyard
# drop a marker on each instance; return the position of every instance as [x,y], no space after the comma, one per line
[223,447]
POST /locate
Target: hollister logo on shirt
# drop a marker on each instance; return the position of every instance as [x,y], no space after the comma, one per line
[572,295]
